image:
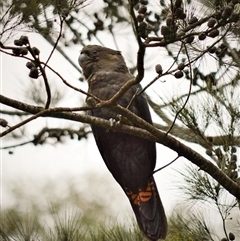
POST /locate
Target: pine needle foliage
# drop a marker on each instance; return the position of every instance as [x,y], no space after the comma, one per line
[188,227]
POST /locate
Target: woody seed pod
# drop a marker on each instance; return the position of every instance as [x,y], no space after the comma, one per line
[234,149]
[209,152]
[189,39]
[158,69]
[142,28]
[214,33]
[227,11]
[201,36]
[178,74]
[181,66]
[140,18]
[211,22]
[169,21]
[165,30]
[24,39]
[33,73]
[212,50]
[23,51]
[16,51]
[234,17]
[178,3]
[142,9]
[193,20]
[210,138]
[3,123]
[178,12]
[231,236]
[18,42]
[218,15]
[35,50]
[144,2]
[30,65]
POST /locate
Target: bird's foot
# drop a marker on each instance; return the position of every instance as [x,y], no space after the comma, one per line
[91,102]
[115,121]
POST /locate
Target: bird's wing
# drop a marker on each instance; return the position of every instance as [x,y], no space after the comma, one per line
[130,159]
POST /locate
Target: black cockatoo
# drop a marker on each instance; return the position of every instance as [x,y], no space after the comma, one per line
[130,159]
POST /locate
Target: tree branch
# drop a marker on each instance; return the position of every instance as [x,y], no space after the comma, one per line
[183,132]
[141,46]
[184,151]
[146,131]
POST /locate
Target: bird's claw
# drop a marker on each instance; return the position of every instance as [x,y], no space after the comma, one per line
[112,122]
[115,121]
[119,118]
[91,102]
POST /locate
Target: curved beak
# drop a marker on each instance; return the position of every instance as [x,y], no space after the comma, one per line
[82,58]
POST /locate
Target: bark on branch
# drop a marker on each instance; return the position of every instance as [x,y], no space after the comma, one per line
[146,131]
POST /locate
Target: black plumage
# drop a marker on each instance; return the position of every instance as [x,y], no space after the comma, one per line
[130,159]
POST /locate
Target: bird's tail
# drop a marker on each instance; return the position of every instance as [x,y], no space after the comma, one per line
[149,212]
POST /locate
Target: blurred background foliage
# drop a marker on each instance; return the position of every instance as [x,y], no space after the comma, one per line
[75,213]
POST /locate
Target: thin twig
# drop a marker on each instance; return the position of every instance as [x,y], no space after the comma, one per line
[118,95]
[150,83]
[23,122]
[56,42]
[47,87]
[18,113]
[43,113]
[132,99]
[37,60]
[223,219]
[83,24]
[113,37]
[189,93]
[6,12]
[40,137]
[59,49]
[43,63]
[73,87]
[16,145]
[159,169]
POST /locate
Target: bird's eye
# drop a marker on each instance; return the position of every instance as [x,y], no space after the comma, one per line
[85,52]
[94,52]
